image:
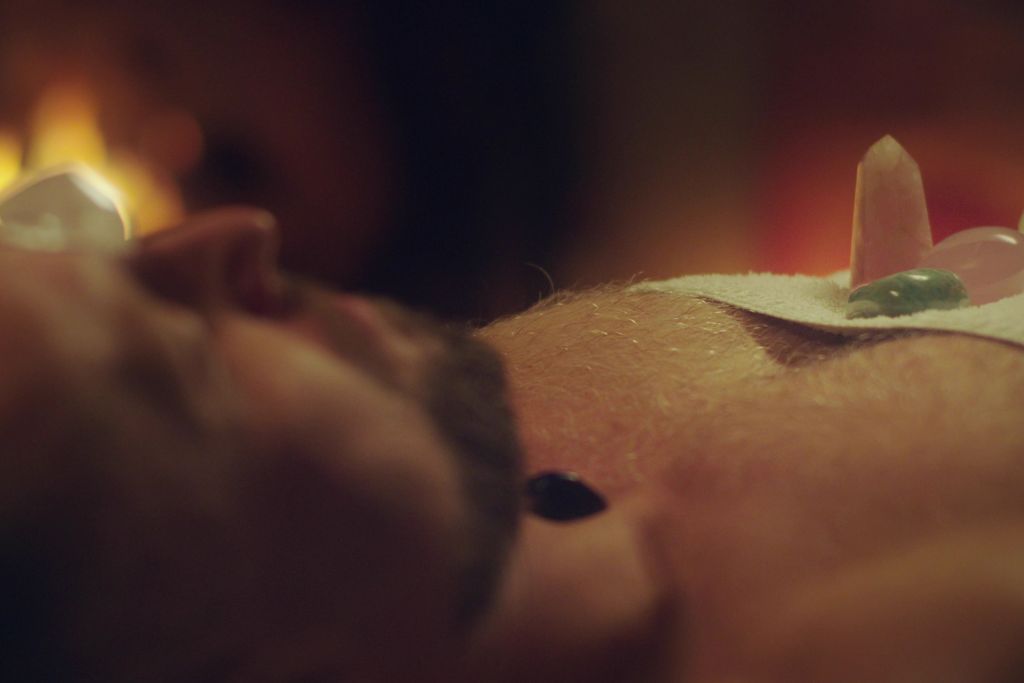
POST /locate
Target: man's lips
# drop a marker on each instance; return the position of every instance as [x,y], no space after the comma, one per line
[363,333]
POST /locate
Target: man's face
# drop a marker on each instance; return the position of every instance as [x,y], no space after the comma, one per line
[351,466]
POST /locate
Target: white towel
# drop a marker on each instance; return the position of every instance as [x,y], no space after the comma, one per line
[821,302]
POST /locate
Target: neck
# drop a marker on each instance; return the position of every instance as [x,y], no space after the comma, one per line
[586,600]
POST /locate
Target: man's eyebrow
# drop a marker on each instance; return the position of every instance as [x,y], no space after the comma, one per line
[795,345]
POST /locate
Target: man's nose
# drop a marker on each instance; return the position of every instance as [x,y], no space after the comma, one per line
[223,258]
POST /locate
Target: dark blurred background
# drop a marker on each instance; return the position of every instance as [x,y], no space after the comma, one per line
[457,155]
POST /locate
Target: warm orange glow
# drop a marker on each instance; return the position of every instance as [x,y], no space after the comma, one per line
[10,157]
[151,199]
[65,128]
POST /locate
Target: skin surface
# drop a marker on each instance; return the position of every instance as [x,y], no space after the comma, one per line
[213,473]
[811,507]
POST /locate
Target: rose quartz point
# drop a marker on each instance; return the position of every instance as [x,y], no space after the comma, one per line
[989,261]
[890,219]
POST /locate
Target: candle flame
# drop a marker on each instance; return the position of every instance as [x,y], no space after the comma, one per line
[65,128]
[10,157]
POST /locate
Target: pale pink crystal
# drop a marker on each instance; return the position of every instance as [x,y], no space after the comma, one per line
[890,220]
[989,261]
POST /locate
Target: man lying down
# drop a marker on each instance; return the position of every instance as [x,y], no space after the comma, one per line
[212,472]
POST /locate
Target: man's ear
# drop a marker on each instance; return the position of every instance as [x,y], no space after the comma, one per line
[585,600]
[950,610]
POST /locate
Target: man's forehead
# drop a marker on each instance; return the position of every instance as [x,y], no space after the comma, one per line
[626,373]
[626,326]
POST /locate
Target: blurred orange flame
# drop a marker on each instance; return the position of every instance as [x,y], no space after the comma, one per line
[64,128]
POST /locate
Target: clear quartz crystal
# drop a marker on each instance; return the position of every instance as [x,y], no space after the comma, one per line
[65,208]
[890,220]
[989,261]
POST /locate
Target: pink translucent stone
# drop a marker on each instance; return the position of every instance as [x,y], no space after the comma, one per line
[989,261]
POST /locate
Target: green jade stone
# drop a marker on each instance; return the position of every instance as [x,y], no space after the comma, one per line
[907,292]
